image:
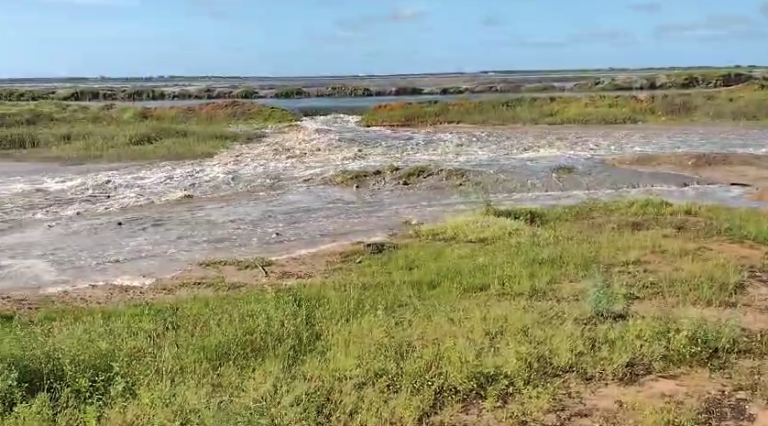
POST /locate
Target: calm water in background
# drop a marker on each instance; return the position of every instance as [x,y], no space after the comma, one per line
[358,105]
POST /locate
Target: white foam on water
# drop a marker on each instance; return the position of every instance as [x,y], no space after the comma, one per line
[258,165]
[320,145]
[27,271]
[122,281]
[323,247]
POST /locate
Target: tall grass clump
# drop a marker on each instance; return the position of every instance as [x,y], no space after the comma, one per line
[73,132]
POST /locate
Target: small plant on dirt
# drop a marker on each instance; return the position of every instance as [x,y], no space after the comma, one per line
[530,216]
[239,264]
[604,302]
[396,175]
[564,170]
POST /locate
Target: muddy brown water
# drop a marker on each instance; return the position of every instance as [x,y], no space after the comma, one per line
[67,226]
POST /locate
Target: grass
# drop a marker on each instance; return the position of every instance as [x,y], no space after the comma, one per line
[239,264]
[496,318]
[77,133]
[747,104]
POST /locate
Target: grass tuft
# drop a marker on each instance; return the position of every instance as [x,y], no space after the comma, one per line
[239,264]
[604,302]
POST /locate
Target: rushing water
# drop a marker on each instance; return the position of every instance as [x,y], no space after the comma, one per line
[63,226]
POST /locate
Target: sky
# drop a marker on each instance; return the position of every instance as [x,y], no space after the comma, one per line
[59,38]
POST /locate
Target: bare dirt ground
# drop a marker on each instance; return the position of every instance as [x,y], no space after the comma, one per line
[215,276]
[739,169]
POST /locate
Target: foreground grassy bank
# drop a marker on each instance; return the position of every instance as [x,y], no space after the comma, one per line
[517,316]
[727,105]
[670,81]
[67,132]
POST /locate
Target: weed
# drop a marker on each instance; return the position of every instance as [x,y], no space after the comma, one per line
[604,302]
[239,264]
[564,169]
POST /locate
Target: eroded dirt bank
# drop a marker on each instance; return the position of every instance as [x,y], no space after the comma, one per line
[737,169]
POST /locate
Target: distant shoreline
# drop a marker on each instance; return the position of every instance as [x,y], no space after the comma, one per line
[393,87]
[575,71]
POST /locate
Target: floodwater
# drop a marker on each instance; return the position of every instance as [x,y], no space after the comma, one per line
[65,226]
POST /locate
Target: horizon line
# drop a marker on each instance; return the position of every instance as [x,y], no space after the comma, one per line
[320,76]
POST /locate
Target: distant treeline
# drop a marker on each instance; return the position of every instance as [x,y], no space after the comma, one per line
[673,81]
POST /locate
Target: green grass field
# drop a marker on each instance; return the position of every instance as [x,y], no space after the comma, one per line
[513,316]
[728,105]
[85,133]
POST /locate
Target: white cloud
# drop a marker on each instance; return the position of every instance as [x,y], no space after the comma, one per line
[405,14]
[361,23]
[647,7]
[96,2]
[715,26]
[610,37]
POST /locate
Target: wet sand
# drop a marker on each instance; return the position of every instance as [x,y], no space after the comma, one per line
[737,169]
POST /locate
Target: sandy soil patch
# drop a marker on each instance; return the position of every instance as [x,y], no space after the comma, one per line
[216,276]
[726,168]
[696,397]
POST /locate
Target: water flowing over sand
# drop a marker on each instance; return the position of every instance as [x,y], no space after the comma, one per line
[62,226]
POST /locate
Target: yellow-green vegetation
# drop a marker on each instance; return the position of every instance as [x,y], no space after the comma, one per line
[397,175]
[564,169]
[688,80]
[516,316]
[70,132]
[137,94]
[239,264]
[672,81]
[749,104]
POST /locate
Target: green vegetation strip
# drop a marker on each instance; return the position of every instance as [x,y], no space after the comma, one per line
[507,311]
[726,105]
[69,132]
[666,81]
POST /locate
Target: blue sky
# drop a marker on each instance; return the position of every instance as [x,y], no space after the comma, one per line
[311,37]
